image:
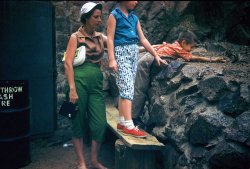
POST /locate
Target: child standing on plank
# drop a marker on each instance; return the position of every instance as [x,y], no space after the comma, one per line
[124,32]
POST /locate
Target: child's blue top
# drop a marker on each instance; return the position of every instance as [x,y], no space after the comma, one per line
[126,28]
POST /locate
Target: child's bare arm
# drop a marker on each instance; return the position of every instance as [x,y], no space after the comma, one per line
[145,43]
[148,46]
[110,42]
[142,49]
[205,59]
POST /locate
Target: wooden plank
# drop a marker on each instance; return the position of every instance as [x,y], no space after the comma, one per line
[148,143]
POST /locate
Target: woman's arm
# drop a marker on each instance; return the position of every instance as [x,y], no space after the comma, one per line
[205,59]
[110,42]
[104,40]
[68,66]
[148,46]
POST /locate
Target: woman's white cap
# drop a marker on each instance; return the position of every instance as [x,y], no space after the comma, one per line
[88,7]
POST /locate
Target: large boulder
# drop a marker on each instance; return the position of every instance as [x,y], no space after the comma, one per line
[207,126]
[157,114]
[229,155]
[240,131]
[212,88]
[232,104]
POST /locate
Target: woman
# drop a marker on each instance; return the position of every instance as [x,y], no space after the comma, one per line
[85,83]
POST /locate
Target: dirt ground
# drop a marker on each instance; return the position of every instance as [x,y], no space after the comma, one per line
[59,157]
[48,152]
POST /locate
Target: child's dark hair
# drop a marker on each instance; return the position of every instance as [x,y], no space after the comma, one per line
[88,15]
[188,36]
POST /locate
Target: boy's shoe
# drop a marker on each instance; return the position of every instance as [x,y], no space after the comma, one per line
[134,132]
[119,127]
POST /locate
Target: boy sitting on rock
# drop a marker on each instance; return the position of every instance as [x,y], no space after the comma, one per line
[179,50]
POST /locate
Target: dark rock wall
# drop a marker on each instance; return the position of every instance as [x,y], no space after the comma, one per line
[201,112]
[210,20]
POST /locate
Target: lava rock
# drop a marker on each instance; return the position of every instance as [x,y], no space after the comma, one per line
[190,102]
[183,160]
[212,88]
[232,104]
[234,86]
[187,90]
[234,134]
[243,121]
[159,132]
[198,152]
[245,92]
[168,86]
[173,103]
[176,136]
[230,156]
[189,73]
[207,126]
[157,114]
[206,72]
[169,156]
[170,70]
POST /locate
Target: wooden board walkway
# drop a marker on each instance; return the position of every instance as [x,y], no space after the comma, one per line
[148,143]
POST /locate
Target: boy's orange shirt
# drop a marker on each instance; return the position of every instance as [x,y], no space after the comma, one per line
[173,50]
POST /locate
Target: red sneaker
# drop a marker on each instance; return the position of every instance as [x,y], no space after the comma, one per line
[120,127]
[134,132]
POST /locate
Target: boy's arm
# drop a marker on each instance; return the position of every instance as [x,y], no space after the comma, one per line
[142,49]
[110,42]
[148,46]
[187,56]
[205,59]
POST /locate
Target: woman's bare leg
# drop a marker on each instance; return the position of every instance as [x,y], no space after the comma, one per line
[78,145]
[95,147]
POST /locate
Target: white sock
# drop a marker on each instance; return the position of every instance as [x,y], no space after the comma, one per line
[129,124]
[121,120]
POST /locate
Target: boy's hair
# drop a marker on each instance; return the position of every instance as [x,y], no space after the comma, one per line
[188,36]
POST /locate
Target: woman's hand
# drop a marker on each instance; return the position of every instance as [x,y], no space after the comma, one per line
[73,97]
[219,59]
[159,61]
[113,65]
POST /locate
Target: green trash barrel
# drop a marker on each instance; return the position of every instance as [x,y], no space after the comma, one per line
[14,124]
